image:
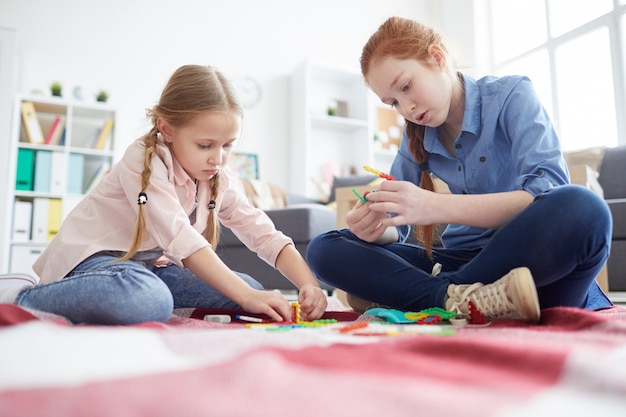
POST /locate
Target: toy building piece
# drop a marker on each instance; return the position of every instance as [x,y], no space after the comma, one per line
[295,314]
[389,314]
[441,312]
[475,316]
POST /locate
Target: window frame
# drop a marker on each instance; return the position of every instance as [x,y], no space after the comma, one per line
[614,21]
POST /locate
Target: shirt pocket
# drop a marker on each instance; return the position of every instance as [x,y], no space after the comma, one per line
[489,172]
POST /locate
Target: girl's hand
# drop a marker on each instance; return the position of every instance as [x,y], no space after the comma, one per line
[411,204]
[416,206]
[312,301]
[270,303]
[365,223]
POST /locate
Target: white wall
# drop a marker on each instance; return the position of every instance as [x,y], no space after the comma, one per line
[131,47]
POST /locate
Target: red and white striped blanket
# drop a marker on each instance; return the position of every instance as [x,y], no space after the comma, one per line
[571,364]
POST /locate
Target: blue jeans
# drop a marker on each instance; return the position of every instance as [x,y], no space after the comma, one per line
[563,237]
[102,291]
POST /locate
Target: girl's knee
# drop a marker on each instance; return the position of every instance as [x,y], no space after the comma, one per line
[325,241]
[582,205]
[317,246]
[573,194]
[151,299]
[135,295]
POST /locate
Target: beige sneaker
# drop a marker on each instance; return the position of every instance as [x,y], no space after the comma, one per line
[513,296]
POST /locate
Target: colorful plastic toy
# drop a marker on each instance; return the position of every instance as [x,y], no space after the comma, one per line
[389,314]
[428,316]
[363,199]
[475,316]
[377,172]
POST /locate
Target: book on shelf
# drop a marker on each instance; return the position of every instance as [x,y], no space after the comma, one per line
[23,257]
[31,123]
[57,127]
[58,169]
[25,169]
[22,213]
[55,217]
[43,165]
[41,208]
[61,140]
[103,135]
[75,173]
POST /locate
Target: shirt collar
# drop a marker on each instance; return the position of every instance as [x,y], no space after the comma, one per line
[471,117]
[473,104]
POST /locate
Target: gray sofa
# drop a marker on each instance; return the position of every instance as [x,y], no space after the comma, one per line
[301,222]
[612,178]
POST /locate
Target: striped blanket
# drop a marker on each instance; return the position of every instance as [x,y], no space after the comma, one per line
[573,363]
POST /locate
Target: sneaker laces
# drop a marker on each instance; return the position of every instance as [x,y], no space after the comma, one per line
[460,295]
[492,301]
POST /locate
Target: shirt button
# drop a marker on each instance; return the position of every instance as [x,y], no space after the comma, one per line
[539,172]
[458,146]
[483,159]
[459,168]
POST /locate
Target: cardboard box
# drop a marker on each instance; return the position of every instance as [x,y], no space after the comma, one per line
[346,199]
[586,176]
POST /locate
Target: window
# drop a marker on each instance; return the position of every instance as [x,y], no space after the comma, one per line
[574,51]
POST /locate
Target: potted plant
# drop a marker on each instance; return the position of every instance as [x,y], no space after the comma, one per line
[56,89]
[102,96]
[332,108]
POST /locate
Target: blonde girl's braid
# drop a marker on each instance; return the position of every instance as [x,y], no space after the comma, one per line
[407,39]
[150,141]
[212,231]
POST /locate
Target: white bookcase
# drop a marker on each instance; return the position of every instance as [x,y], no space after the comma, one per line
[46,181]
[321,142]
[8,77]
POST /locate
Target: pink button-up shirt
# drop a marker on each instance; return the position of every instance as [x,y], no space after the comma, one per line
[105,219]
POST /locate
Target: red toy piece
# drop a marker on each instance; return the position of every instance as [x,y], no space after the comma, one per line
[475,316]
[429,320]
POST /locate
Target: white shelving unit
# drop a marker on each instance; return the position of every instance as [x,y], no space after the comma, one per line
[8,72]
[66,169]
[322,143]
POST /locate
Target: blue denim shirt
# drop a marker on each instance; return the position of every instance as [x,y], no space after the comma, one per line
[507,142]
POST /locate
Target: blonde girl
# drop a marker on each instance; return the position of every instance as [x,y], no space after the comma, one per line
[142,242]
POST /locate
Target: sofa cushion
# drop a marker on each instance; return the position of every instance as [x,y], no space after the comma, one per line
[617,266]
[618,212]
[301,222]
[613,173]
[261,194]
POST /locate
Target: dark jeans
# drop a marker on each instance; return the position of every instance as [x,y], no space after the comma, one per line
[563,237]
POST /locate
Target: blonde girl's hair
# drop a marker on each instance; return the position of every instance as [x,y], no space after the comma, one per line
[191,90]
[407,39]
